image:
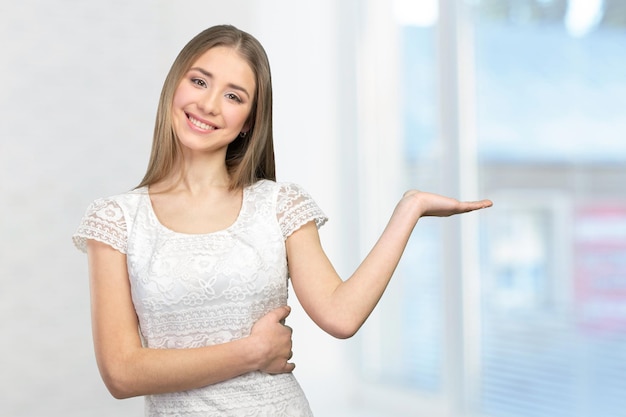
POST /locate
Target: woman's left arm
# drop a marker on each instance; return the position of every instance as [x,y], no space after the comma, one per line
[341,307]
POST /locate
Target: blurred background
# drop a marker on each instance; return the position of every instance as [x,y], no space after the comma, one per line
[519,310]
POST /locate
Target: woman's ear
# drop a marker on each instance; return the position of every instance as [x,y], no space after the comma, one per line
[246,128]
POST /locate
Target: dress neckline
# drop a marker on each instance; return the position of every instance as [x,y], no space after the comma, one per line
[148,201]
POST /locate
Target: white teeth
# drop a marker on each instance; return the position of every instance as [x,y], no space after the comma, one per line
[199,124]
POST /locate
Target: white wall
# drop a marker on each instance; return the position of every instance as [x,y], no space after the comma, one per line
[79,87]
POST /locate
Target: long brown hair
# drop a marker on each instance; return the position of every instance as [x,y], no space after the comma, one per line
[248,158]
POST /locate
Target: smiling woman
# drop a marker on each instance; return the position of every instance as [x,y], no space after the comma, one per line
[199,255]
[246,57]
[206,256]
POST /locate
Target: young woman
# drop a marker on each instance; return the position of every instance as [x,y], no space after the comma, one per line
[198,256]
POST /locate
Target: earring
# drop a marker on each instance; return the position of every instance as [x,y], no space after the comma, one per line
[242,134]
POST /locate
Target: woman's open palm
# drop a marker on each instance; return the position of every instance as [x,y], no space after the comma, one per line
[437,205]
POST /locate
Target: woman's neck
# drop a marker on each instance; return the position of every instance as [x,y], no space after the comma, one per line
[196,175]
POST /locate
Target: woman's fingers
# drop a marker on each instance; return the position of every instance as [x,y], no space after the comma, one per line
[274,340]
[431,204]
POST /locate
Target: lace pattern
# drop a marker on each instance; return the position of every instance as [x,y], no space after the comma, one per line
[295,208]
[281,396]
[104,221]
[199,290]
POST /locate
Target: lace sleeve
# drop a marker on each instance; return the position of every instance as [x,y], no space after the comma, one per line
[104,221]
[296,208]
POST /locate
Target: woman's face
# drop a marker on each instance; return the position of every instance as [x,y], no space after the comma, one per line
[213,100]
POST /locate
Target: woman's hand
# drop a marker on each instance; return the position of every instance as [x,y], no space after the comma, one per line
[430,204]
[273,340]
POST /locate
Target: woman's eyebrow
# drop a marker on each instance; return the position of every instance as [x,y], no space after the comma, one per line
[230,85]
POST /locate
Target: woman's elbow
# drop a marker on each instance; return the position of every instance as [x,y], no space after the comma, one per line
[119,389]
[119,392]
[117,381]
[341,334]
[343,330]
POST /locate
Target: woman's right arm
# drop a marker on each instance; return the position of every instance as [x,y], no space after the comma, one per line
[129,370]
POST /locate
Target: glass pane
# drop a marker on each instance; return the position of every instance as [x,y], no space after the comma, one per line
[551,82]
[412,344]
[421,277]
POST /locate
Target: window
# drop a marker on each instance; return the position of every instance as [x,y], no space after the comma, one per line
[550,81]
[521,311]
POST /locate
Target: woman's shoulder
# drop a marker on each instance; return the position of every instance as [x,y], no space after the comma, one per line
[278,186]
[125,199]
[107,220]
[278,192]
[117,208]
[293,204]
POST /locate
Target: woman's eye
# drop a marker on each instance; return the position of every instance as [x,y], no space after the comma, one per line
[232,96]
[199,82]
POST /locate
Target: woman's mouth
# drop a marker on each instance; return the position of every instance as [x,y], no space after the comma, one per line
[200,124]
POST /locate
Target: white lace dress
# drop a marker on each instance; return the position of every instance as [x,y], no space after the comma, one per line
[205,289]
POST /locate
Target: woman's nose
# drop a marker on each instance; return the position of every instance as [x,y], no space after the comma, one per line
[210,103]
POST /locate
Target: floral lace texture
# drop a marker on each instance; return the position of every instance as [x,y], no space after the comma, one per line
[205,289]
